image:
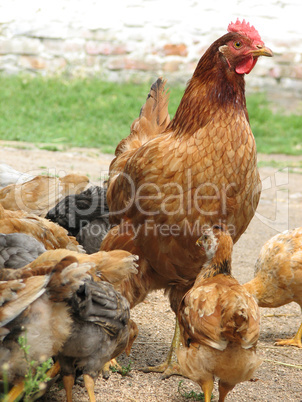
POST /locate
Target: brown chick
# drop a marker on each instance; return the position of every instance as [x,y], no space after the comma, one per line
[278,275]
[50,234]
[113,266]
[219,321]
[40,194]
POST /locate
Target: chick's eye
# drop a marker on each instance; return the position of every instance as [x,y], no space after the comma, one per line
[237,45]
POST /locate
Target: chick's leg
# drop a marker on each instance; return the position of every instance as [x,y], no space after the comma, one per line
[295,341]
[68,381]
[112,365]
[207,388]
[89,384]
[224,389]
[170,366]
[15,393]
[18,390]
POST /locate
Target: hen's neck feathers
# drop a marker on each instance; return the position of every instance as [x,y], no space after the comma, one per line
[214,85]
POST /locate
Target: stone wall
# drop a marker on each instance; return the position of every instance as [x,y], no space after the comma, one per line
[142,39]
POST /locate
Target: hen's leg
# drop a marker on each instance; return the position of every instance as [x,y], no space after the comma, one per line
[68,381]
[89,384]
[170,366]
[295,341]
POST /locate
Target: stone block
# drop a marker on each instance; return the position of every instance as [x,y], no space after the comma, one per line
[22,45]
[105,48]
[56,47]
[39,63]
[175,50]
[127,63]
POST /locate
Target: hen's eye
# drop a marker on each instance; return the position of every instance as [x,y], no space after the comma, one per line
[237,45]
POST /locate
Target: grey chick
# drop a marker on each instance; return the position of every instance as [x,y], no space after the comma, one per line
[18,249]
[100,332]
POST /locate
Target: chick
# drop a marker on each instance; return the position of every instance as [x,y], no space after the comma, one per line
[65,313]
[100,332]
[219,321]
[41,193]
[18,249]
[278,275]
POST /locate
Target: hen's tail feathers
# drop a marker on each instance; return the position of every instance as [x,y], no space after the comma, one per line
[152,121]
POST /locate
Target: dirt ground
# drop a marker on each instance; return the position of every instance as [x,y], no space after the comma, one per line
[279,378]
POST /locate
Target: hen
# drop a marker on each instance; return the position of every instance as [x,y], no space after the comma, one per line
[168,180]
[41,193]
[278,275]
[91,320]
[219,321]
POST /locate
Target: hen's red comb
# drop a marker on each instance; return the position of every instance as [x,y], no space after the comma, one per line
[246,29]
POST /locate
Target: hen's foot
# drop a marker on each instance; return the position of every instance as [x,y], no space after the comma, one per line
[167,368]
[170,366]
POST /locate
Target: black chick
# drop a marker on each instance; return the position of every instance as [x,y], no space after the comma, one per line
[91,235]
[85,216]
[18,250]
[100,332]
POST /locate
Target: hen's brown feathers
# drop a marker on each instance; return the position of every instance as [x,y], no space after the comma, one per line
[153,119]
[200,170]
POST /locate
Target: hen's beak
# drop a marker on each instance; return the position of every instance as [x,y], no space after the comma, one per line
[198,242]
[262,51]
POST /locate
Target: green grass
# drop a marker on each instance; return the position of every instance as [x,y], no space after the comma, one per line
[90,113]
[274,132]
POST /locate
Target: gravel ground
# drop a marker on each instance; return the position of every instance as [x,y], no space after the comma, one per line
[280,208]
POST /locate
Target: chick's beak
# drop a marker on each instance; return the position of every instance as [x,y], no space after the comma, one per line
[262,51]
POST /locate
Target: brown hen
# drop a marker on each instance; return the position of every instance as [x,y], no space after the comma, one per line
[278,275]
[219,321]
[168,180]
